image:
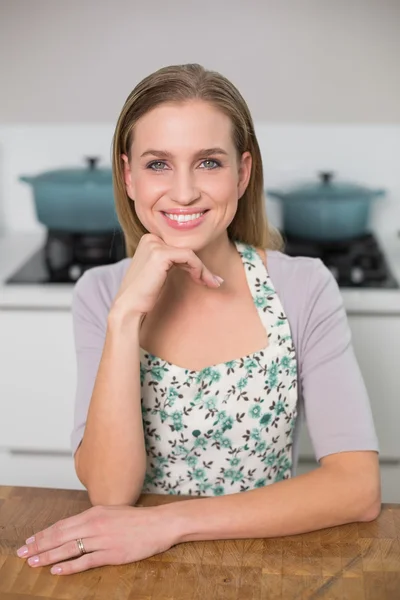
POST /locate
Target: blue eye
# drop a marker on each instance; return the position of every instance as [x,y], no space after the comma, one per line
[158,162]
[211,160]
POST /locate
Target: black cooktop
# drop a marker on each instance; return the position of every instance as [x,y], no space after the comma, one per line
[65,257]
[355,263]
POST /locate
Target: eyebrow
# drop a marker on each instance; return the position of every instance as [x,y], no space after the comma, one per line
[203,152]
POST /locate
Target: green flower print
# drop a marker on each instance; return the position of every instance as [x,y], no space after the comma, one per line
[265,419]
[255,434]
[158,373]
[227,423]
[211,403]
[163,415]
[242,383]
[215,376]
[209,432]
[255,411]
[260,301]
[249,254]
[285,362]
[177,415]
[201,442]
[261,446]
[233,475]
[270,459]
[173,393]
[199,474]
[267,289]
[260,483]
[226,443]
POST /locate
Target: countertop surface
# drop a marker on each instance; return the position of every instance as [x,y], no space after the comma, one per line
[17,247]
[358,561]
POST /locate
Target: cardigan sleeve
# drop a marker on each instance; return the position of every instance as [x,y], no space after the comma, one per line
[89,311]
[336,402]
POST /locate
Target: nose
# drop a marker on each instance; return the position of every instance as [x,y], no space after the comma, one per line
[183,189]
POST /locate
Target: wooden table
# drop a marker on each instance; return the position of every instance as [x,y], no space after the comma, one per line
[352,562]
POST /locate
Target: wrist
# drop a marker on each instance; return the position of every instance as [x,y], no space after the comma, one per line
[177,515]
[119,319]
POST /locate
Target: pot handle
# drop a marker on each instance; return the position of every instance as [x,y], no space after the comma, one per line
[92,162]
[273,193]
[326,176]
[25,178]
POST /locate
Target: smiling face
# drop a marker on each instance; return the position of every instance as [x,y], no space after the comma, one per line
[184,162]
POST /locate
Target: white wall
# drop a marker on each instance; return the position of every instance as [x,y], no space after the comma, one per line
[321,78]
[314,61]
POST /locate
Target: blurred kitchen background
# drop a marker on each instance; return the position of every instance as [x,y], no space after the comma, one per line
[322,81]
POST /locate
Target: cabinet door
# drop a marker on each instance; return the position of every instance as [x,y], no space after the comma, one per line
[38,470]
[37,380]
[376,342]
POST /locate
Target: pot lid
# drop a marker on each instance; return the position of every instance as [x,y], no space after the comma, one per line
[75,176]
[326,188]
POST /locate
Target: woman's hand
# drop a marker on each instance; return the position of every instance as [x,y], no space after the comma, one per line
[111,535]
[147,273]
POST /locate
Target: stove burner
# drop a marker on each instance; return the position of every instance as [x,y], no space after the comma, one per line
[354,263]
[66,256]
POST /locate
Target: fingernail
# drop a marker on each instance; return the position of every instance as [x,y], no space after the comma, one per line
[55,570]
[30,540]
[219,280]
[23,551]
[33,560]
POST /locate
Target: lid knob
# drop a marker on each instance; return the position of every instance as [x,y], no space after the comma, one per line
[326,176]
[92,162]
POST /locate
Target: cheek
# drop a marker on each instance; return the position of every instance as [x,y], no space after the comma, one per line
[221,187]
[146,186]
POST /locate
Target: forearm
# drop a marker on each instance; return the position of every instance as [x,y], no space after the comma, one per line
[112,457]
[319,499]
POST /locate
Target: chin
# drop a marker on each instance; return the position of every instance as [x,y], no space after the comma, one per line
[193,242]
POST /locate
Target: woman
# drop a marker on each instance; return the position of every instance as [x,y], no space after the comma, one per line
[199,353]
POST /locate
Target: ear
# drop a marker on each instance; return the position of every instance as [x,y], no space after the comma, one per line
[246,162]
[128,177]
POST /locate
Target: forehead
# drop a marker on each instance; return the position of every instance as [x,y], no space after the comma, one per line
[194,124]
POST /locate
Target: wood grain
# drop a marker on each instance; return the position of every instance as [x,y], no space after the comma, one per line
[359,561]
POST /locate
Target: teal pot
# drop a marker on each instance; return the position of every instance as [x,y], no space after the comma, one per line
[326,210]
[76,200]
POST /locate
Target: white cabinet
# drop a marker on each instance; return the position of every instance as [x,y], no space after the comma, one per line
[37,383]
[29,468]
[37,390]
[376,342]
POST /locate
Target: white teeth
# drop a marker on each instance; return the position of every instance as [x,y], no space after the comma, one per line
[184,218]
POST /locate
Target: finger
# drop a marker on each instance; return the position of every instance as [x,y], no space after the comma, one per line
[85,562]
[58,534]
[64,552]
[187,260]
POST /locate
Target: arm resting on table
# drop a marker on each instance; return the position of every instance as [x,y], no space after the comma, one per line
[345,489]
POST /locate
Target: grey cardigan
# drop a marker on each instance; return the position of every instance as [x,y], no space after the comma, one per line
[332,394]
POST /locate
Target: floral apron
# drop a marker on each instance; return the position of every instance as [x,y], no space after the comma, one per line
[229,427]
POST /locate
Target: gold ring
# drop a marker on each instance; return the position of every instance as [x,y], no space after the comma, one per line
[81,547]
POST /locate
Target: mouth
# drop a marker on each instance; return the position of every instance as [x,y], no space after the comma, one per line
[184,220]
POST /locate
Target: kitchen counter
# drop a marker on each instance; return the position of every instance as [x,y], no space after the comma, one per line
[358,561]
[15,248]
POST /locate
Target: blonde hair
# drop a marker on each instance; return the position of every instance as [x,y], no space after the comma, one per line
[180,83]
